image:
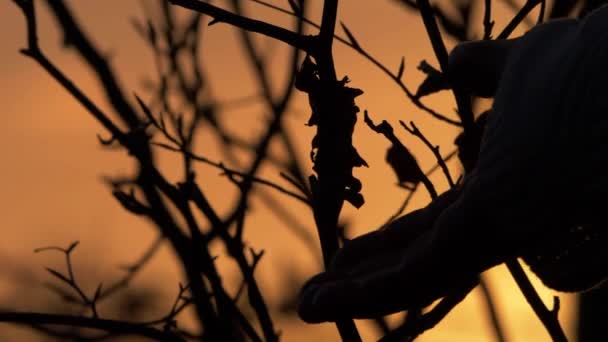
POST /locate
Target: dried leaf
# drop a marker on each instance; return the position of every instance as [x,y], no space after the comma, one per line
[403,164]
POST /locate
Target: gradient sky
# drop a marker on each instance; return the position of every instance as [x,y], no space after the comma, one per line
[52,164]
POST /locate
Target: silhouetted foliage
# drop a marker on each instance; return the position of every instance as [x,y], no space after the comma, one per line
[181,106]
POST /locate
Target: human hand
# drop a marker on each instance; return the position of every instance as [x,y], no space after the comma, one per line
[395,268]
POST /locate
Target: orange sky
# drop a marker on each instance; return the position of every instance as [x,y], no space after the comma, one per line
[52,162]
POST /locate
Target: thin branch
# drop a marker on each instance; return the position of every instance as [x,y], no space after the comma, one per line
[75,37]
[33,51]
[412,328]
[296,183]
[462,100]
[541,13]
[231,172]
[111,326]
[181,302]
[492,311]
[285,11]
[70,279]
[447,158]
[408,93]
[386,129]
[518,18]
[301,42]
[290,220]
[549,318]
[403,205]
[257,62]
[488,23]
[434,148]
[278,108]
[133,269]
[426,11]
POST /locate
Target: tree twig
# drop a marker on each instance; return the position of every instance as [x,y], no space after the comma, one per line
[415,326]
[231,172]
[488,23]
[518,18]
[111,326]
[549,318]
[386,129]
[132,269]
[462,100]
[301,42]
[434,148]
[492,310]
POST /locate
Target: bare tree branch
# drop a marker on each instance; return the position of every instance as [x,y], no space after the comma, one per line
[548,317]
[111,326]
[219,15]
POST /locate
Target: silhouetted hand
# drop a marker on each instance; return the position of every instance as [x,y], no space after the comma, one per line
[537,190]
[373,274]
